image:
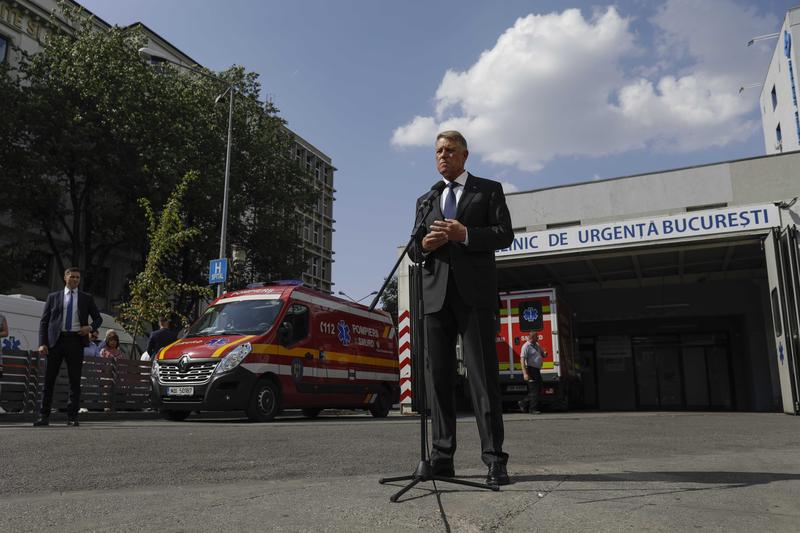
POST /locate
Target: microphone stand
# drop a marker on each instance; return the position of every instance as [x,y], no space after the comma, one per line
[424,470]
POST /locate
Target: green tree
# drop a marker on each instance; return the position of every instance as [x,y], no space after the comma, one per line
[94,128]
[152,292]
[389,298]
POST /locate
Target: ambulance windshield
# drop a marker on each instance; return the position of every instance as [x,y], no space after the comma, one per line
[244,317]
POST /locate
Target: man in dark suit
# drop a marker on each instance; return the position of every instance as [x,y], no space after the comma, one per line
[467,223]
[160,338]
[63,332]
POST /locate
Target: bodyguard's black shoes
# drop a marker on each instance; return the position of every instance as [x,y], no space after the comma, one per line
[443,469]
[497,474]
[42,421]
[73,422]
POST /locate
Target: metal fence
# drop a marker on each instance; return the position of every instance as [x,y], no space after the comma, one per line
[107,384]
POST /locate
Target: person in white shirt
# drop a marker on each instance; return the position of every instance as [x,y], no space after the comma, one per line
[64,331]
[531,358]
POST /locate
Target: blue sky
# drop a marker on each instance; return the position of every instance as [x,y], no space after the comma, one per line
[546,92]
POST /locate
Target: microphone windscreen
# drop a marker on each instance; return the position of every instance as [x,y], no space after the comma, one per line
[439,186]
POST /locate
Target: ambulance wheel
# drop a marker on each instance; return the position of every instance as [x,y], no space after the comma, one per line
[175,416]
[382,405]
[264,403]
[311,412]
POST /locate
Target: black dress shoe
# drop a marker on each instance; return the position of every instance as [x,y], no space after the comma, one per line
[443,469]
[497,474]
[73,422]
[42,421]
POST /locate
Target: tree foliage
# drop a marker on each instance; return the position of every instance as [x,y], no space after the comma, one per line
[152,292]
[389,298]
[89,128]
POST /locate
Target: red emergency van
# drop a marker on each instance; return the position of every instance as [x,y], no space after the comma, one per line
[541,312]
[275,346]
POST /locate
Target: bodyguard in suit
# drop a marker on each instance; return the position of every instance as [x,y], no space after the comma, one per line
[468,222]
[63,332]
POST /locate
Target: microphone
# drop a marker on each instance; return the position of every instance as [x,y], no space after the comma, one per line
[439,186]
[436,191]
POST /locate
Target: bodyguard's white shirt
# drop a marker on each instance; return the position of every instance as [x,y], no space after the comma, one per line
[76,323]
[462,181]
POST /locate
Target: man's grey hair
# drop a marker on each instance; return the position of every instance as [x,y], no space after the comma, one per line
[453,135]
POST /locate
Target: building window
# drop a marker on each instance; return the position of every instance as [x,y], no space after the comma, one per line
[774,98]
[316,234]
[3,48]
[779,138]
[315,266]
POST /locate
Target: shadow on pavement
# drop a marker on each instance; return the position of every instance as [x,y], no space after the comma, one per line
[715,480]
[741,479]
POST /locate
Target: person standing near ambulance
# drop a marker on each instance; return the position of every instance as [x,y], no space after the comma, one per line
[63,333]
[531,357]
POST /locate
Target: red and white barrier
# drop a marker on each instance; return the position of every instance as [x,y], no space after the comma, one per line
[404,356]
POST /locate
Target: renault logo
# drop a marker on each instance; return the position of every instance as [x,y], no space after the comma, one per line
[183,363]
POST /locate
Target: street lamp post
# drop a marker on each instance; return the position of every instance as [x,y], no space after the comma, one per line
[151,55]
[359,300]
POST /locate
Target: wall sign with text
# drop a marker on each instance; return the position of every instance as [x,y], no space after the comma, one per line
[682,225]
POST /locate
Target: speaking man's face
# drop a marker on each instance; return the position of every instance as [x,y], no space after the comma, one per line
[450,158]
[72,280]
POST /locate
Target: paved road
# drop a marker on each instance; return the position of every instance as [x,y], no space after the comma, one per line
[571,472]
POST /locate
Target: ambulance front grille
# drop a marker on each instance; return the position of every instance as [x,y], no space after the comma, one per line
[196,373]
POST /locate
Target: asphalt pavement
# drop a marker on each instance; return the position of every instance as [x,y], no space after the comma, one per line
[570,472]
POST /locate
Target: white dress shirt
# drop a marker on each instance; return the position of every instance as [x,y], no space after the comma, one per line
[76,323]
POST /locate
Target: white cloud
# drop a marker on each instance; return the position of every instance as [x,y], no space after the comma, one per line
[562,84]
[415,131]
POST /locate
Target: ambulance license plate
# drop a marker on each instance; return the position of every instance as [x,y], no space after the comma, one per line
[180,391]
[517,388]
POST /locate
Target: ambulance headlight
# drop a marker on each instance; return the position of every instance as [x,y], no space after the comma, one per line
[231,361]
[154,369]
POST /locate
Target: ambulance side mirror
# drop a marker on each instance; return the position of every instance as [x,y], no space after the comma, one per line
[285,333]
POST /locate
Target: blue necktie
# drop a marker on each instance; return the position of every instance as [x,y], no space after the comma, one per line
[68,320]
[449,210]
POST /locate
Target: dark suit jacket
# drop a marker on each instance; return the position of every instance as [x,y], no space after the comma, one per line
[160,338]
[482,209]
[53,316]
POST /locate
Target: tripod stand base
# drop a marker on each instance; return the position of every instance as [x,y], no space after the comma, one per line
[424,472]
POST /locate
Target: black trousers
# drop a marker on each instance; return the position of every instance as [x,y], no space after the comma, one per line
[69,347]
[531,401]
[477,329]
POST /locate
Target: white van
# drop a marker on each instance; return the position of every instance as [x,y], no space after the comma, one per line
[24,313]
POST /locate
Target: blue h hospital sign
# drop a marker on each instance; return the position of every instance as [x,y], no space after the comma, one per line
[682,225]
[217,271]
